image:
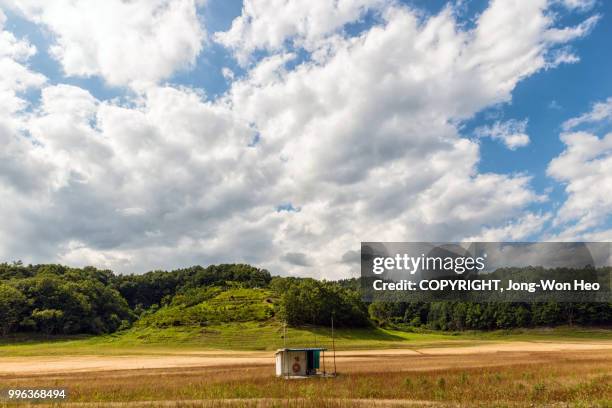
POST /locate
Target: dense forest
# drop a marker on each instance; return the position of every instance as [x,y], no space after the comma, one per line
[55,299]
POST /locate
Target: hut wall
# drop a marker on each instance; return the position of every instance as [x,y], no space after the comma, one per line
[292,363]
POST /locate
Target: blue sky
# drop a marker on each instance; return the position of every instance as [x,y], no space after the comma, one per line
[556,95]
[550,98]
[304,165]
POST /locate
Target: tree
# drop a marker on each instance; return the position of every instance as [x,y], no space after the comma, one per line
[309,301]
[385,313]
[13,303]
[49,321]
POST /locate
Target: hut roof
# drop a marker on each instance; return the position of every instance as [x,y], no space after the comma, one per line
[300,349]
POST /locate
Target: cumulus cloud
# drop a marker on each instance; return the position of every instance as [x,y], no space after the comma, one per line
[585,166]
[15,78]
[125,42]
[12,47]
[365,133]
[511,133]
[270,24]
[20,159]
[15,75]
[600,111]
[518,229]
[171,171]
[582,5]
[561,35]
[362,137]
[296,258]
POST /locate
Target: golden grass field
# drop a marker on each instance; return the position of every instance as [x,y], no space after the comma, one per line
[555,373]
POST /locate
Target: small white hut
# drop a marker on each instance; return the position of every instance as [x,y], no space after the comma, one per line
[299,362]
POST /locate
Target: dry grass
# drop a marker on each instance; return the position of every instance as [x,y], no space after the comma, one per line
[577,378]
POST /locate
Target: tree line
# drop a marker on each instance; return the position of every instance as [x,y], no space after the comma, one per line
[53,299]
[56,299]
[489,316]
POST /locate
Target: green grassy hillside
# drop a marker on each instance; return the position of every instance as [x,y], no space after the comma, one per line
[45,301]
[211,318]
[217,306]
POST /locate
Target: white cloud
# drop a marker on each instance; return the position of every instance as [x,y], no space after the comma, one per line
[582,5]
[516,230]
[15,76]
[600,111]
[20,165]
[586,169]
[269,24]
[511,133]
[227,73]
[363,139]
[125,42]
[77,253]
[365,135]
[565,34]
[10,46]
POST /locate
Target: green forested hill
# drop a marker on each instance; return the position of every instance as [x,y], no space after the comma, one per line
[55,299]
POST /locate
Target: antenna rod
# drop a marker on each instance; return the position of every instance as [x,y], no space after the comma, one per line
[285,354]
[314,330]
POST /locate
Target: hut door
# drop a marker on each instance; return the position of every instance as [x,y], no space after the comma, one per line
[310,361]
